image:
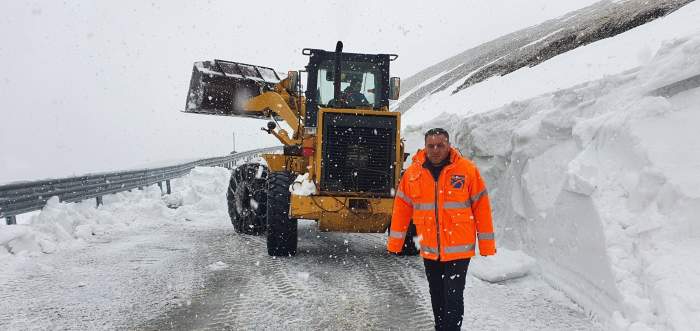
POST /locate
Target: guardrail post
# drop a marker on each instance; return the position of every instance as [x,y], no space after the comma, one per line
[167,186]
[11,220]
[98,201]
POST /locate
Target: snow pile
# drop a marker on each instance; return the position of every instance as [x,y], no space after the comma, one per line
[302,185]
[202,194]
[217,266]
[63,225]
[506,264]
[599,183]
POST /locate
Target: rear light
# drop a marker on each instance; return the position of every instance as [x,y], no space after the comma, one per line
[307,151]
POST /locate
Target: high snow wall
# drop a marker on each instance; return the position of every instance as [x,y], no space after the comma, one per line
[599,183]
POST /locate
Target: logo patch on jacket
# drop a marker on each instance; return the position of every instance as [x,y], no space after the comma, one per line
[457,181]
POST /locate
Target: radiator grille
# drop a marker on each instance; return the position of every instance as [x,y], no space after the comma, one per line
[359,153]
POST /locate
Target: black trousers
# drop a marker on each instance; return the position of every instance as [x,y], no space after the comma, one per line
[446,281]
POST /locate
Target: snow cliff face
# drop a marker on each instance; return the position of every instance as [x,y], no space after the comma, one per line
[599,183]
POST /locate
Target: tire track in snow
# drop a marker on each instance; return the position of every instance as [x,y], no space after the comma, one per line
[361,258]
[335,281]
[85,288]
[395,283]
[346,281]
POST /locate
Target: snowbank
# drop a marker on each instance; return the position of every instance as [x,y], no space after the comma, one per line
[505,265]
[199,196]
[599,184]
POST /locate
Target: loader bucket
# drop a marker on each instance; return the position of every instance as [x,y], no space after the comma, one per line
[223,87]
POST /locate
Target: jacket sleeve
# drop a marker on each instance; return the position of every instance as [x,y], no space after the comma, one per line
[400,218]
[481,209]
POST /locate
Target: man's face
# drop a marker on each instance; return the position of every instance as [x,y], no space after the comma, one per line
[437,147]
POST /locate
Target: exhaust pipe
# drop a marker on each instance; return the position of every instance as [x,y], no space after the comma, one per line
[336,81]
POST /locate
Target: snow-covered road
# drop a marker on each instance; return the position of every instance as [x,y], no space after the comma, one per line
[107,284]
[193,272]
[347,281]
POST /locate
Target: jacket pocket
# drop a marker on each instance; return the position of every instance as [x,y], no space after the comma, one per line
[460,229]
[414,188]
[425,228]
[462,215]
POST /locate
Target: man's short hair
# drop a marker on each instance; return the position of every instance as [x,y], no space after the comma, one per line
[437,131]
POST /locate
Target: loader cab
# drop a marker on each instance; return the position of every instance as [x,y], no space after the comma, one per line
[363,82]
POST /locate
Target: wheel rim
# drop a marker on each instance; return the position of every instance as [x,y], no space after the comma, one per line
[244,209]
[242,200]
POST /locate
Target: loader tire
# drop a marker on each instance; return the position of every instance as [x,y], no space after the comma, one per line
[409,245]
[247,198]
[281,230]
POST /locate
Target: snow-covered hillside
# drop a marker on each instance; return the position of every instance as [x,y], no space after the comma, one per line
[598,182]
[532,46]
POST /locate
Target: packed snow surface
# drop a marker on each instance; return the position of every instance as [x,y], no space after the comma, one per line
[218,266]
[598,182]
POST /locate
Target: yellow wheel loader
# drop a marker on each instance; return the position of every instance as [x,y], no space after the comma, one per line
[344,144]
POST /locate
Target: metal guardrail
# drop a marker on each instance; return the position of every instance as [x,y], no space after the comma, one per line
[22,197]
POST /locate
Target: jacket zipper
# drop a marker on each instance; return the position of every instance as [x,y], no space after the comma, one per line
[437,222]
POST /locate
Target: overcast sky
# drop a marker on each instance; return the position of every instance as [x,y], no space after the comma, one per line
[92,86]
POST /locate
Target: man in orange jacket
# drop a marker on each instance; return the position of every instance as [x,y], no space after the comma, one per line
[444,195]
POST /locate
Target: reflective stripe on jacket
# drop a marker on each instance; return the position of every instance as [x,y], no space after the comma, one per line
[451,215]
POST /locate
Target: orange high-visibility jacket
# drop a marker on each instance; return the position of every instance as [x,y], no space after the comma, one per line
[449,214]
